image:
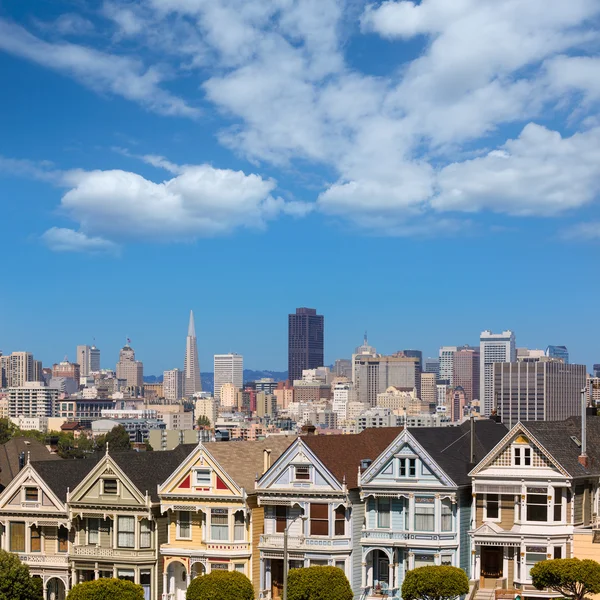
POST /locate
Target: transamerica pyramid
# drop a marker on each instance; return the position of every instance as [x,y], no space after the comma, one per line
[191,366]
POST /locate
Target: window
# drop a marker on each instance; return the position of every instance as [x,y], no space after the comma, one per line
[36,539]
[146,583]
[402,467]
[412,467]
[424,513]
[558,504]
[537,504]
[446,560]
[522,456]
[145,534]
[93,526]
[184,525]
[341,564]
[533,555]
[126,574]
[126,532]
[63,539]
[219,567]
[557,551]
[239,526]
[340,521]
[383,513]
[302,473]
[31,494]
[319,519]
[446,515]
[492,506]
[239,567]
[280,518]
[17,537]
[219,524]
[109,486]
[424,560]
[202,478]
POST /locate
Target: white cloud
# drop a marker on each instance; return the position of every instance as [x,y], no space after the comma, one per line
[119,75]
[584,232]
[539,173]
[67,240]
[199,201]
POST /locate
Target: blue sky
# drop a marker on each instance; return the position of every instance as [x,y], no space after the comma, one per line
[419,170]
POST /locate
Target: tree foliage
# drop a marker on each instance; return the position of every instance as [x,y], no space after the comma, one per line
[571,577]
[7,430]
[15,581]
[220,585]
[117,439]
[318,583]
[203,421]
[106,589]
[434,583]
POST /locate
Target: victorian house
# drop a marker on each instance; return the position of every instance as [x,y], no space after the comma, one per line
[418,503]
[213,517]
[531,495]
[115,517]
[310,495]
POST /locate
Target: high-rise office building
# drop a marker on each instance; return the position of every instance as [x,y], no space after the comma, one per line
[229,368]
[228,396]
[305,341]
[418,354]
[129,369]
[20,368]
[88,359]
[596,369]
[432,365]
[545,390]
[191,366]
[465,372]
[558,352]
[173,384]
[428,389]
[362,351]
[447,363]
[493,348]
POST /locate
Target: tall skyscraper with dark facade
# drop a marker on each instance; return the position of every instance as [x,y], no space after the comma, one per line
[305,341]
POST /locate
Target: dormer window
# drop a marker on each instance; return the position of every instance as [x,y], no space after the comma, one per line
[110,487]
[522,456]
[31,494]
[408,467]
[302,473]
[202,478]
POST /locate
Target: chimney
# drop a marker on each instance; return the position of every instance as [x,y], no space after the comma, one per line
[583,457]
[266,459]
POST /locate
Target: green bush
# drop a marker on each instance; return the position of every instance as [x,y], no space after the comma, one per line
[318,583]
[571,577]
[220,585]
[434,583]
[106,589]
[15,581]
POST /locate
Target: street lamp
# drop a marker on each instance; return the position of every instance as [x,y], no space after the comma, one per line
[285,553]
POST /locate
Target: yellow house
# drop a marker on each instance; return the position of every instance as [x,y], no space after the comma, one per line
[214,522]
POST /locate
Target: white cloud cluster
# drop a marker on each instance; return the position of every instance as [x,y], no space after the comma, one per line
[67,240]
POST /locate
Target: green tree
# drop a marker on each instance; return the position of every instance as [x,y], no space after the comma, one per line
[106,589]
[15,581]
[220,585]
[571,577]
[318,583]
[7,430]
[117,439]
[434,583]
[203,421]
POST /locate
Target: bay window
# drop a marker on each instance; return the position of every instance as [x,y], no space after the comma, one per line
[537,504]
[319,519]
[239,526]
[17,537]
[145,534]
[93,526]
[424,513]
[219,524]
[383,513]
[281,513]
[36,539]
[340,521]
[446,515]
[126,532]
[492,506]
[533,555]
[184,525]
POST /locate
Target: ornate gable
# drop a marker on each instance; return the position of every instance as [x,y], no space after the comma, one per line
[29,493]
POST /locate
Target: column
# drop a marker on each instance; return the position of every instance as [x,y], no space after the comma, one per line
[363,577]
[391,566]
[262,574]
[188,578]
[96,571]
[165,583]
[45,588]
[136,533]
[27,538]
[73,576]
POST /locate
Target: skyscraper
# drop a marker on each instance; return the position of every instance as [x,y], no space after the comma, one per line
[229,368]
[305,341]
[493,348]
[130,369]
[432,365]
[191,366]
[447,363]
[173,383]
[88,359]
[596,370]
[465,372]
[558,352]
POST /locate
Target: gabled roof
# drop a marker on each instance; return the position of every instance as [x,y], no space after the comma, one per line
[342,454]
[450,447]
[9,456]
[555,437]
[63,475]
[243,461]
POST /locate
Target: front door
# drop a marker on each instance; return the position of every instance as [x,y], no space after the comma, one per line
[491,562]
[276,578]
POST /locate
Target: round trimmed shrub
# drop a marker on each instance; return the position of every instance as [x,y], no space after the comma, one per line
[106,589]
[318,583]
[220,585]
[15,581]
[437,582]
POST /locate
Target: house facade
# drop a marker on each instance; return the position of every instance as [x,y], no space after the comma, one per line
[530,495]
[418,503]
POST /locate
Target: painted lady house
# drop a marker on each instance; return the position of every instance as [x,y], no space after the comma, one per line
[418,503]
[214,521]
[311,492]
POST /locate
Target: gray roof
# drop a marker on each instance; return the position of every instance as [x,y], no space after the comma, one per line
[450,447]
[9,456]
[66,474]
[555,437]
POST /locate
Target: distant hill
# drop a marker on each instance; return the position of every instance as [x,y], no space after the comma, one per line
[208,379]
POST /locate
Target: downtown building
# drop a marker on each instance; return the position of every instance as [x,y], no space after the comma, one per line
[191,368]
[228,368]
[173,384]
[465,372]
[88,358]
[493,348]
[130,370]
[305,341]
[18,368]
[545,390]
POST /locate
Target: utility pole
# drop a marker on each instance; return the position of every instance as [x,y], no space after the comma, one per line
[285,554]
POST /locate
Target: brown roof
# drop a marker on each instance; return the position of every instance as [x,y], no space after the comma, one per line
[9,456]
[342,454]
[243,461]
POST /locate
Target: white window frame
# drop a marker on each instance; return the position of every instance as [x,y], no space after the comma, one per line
[30,487]
[489,519]
[236,527]
[195,475]
[221,526]
[178,535]
[127,533]
[308,469]
[378,512]
[88,530]
[516,451]
[147,533]
[110,493]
